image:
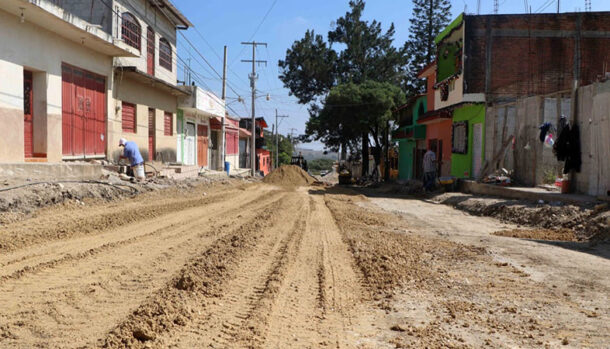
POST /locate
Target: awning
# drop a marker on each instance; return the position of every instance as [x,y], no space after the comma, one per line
[243,133]
[435,116]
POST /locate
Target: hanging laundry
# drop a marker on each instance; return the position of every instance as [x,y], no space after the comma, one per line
[544,129]
[567,148]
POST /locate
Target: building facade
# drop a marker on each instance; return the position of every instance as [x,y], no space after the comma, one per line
[56,90]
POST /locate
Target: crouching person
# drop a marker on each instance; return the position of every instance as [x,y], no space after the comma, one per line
[131,152]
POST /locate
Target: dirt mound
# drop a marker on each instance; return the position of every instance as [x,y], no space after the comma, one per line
[540,234]
[289,175]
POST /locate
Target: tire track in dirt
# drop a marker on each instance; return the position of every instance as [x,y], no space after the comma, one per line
[223,319]
[195,293]
[82,222]
[318,302]
[66,251]
[60,303]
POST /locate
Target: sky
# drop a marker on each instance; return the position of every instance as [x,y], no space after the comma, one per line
[279,23]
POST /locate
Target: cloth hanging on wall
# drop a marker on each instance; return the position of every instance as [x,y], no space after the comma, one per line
[544,129]
[567,148]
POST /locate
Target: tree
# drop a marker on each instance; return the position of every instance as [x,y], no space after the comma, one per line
[317,165]
[286,148]
[353,109]
[312,68]
[429,18]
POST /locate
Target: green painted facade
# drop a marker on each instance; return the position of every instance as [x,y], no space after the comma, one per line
[405,159]
[462,163]
[413,132]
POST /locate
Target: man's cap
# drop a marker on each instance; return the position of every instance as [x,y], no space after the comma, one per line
[122,141]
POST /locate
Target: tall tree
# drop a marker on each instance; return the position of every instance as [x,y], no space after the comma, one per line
[429,18]
[312,67]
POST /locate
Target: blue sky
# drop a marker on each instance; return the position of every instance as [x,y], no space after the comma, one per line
[229,22]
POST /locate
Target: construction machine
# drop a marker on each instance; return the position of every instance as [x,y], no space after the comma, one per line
[299,161]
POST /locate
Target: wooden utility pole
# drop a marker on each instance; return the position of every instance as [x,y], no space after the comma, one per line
[253,77]
[223,143]
[277,139]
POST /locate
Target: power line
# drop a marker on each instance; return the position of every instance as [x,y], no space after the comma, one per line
[255,31]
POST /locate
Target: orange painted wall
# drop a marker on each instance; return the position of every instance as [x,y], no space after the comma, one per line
[442,130]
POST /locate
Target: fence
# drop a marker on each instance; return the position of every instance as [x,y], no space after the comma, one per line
[512,137]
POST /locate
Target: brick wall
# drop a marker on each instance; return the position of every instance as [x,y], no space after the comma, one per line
[534,54]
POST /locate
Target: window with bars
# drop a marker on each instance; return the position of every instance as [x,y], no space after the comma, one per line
[165,54]
[131,31]
[168,124]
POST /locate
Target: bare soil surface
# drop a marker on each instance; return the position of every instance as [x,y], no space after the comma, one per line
[264,266]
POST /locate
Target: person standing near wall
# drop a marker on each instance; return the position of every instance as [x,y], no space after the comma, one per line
[429,169]
[132,153]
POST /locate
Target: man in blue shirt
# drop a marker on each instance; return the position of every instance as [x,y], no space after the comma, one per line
[132,153]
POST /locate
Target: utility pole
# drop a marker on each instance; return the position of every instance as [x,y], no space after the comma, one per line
[253,77]
[277,139]
[496,6]
[223,143]
[558,1]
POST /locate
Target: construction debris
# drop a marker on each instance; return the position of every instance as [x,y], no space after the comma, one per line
[289,175]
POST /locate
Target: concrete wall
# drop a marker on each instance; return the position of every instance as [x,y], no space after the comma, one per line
[532,161]
[405,159]
[28,46]
[92,11]
[525,55]
[149,16]
[144,97]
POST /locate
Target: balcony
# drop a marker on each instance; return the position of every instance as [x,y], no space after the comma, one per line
[49,14]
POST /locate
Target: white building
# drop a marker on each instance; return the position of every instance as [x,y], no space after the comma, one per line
[56,82]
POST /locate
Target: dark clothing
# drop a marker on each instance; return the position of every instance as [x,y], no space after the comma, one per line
[429,180]
[544,129]
[567,148]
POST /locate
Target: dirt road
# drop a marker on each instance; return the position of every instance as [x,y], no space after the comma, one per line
[259,266]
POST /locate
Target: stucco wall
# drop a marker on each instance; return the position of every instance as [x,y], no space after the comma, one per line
[461,164]
[143,97]
[163,28]
[405,159]
[457,94]
[442,130]
[26,45]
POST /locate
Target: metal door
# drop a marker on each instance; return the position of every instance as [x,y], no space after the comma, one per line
[78,123]
[28,114]
[213,145]
[151,134]
[477,149]
[150,50]
[189,144]
[202,145]
[90,130]
[67,109]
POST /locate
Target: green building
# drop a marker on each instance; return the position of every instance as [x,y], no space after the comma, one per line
[408,135]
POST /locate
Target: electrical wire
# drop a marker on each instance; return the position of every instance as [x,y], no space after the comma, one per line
[255,31]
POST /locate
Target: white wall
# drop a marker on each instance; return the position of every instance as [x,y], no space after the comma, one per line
[28,46]
[148,15]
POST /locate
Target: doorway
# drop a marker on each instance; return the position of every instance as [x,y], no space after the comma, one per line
[202,145]
[151,134]
[477,149]
[28,113]
[214,149]
[150,51]
[189,144]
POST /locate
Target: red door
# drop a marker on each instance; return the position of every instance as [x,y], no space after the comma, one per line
[202,145]
[83,112]
[28,114]
[67,108]
[150,49]
[151,134]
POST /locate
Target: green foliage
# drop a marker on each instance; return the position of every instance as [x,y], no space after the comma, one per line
[286,148]
[312,68]
[318,165]
[353,109]
[429,18]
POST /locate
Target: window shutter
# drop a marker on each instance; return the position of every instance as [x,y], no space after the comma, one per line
[129,117]
[168,124]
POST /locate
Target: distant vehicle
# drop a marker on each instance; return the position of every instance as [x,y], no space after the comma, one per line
[324,172]
[299,161]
